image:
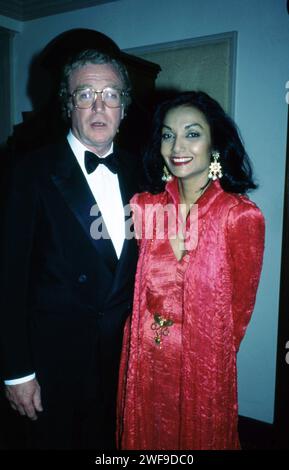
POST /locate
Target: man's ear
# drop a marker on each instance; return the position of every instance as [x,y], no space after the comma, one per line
[122,112]
[69,108]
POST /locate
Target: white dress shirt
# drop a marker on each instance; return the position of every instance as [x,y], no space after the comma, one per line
[104,186]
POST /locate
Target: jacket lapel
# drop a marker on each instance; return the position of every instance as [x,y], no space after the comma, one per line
[70,181]
[128,257]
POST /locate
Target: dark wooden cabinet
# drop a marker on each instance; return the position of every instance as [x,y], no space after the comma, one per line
[136,125]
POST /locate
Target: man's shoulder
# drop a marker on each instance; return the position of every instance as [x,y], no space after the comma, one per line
[39,159]
[127,159]
[130,167]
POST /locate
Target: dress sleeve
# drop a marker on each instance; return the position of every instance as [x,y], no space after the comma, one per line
[246,232]
[138,206]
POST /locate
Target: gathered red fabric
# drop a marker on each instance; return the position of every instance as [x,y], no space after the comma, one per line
[182,393]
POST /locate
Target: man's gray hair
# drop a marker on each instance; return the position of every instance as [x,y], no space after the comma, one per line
[92,56]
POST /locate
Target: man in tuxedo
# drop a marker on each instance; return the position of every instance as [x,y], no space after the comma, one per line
[66,288]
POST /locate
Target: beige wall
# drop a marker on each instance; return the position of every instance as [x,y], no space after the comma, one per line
[203,67]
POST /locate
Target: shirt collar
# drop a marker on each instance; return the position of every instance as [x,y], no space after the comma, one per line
[172,188]
[78,148]
[204,202]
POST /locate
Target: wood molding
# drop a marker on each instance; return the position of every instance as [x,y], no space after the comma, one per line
[25,10]
[282,366]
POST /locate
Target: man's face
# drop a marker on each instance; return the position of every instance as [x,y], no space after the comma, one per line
[95,127]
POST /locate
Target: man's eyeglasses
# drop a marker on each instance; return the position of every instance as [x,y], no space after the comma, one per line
[84,98]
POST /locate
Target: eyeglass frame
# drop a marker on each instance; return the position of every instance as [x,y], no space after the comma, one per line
[123,93]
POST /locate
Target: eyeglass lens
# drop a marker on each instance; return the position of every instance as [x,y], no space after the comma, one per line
[84,98]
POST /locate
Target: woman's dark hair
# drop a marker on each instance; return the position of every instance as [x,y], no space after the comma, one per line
[236,167]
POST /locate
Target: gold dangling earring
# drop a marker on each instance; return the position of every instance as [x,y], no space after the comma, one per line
[166,175]
[215,168]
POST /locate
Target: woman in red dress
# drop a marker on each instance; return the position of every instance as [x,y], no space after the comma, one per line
[201,244]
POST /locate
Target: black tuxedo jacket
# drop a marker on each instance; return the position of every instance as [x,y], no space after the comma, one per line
[64,296]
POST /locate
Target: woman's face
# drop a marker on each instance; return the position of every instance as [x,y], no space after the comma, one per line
[186,142]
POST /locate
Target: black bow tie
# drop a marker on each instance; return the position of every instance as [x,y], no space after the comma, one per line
[91,161]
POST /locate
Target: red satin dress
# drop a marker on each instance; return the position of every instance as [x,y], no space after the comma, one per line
[178,390]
